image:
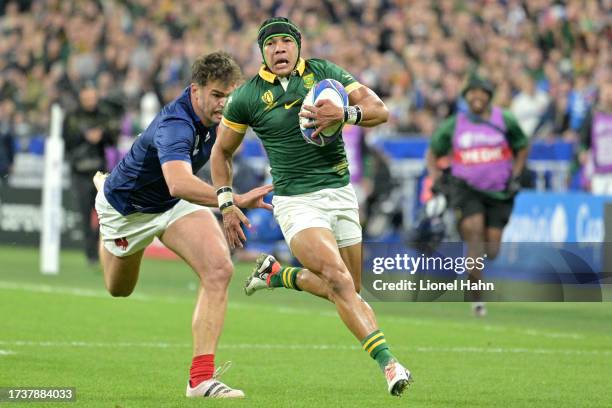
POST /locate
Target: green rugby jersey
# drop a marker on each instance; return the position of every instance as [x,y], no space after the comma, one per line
[263,104]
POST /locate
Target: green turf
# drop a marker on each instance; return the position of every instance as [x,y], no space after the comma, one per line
[288,349]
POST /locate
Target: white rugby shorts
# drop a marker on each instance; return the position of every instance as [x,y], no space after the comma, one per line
[123,235]
[335,209]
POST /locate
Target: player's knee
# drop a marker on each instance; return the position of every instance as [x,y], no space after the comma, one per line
[338,280]
[472,232]
[218,275]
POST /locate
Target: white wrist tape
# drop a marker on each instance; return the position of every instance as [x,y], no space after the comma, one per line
[225,197]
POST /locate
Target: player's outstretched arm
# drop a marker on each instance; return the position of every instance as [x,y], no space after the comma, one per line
[183,184]
[223,150]
[228,141]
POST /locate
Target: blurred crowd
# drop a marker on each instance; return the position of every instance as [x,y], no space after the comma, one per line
[547,58]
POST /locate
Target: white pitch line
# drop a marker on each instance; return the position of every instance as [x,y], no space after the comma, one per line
[80,292]
[261,346]
[7,352]
[101,294]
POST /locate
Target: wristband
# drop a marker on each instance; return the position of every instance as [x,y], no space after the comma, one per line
[225,197]
[352,114]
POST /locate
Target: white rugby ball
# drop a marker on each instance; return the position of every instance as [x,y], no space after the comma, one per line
[333,91]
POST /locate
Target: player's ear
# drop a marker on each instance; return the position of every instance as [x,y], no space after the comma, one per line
[194,89]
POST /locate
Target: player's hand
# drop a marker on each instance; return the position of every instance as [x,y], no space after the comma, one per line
[323,114]
[232,220]
[254,198]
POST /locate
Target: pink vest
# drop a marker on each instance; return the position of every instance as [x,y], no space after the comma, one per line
[481,154]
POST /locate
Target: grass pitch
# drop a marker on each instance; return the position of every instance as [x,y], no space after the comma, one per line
[289,349]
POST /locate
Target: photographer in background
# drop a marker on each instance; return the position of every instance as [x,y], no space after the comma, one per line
[87,132]
[7,143]
[488,150]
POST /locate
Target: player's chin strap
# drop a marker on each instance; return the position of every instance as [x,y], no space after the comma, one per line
[353,114]
[222,369]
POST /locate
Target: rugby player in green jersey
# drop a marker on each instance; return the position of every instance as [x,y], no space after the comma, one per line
[314,203]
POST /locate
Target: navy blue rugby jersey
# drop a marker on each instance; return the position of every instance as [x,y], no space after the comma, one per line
[137,183]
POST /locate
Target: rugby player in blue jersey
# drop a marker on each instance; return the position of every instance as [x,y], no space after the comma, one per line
[153,192]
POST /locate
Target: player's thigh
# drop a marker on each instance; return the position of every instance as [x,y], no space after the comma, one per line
[120,273]
[317,251]
[498,212]
[122,242]
[197,238]
[295,214]
[470,212]
[351,256]
[472,227]
[498,215]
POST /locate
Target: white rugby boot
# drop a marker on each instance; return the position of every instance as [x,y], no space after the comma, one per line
[398,378]
[214,388]
[264,266]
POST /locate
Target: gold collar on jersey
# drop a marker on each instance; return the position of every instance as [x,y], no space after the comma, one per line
[266,75]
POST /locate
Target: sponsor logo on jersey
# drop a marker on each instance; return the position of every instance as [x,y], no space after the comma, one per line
[341,167]
[290,105]
[308,80]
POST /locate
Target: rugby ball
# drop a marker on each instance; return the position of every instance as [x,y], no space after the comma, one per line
[325,89]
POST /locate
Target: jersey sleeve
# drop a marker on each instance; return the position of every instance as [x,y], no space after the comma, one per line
[236,114]
[174,140]
[349,82]
[517,139]
[441,140]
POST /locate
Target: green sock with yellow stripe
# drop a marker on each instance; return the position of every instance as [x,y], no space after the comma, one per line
[285,278]
[376,346]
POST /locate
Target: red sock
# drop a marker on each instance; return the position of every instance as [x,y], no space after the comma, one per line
[202,369]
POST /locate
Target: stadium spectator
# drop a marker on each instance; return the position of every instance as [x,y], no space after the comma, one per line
[529,105]
[596,142]
[395,48]
[88,131]
[488,151]
[7,142]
